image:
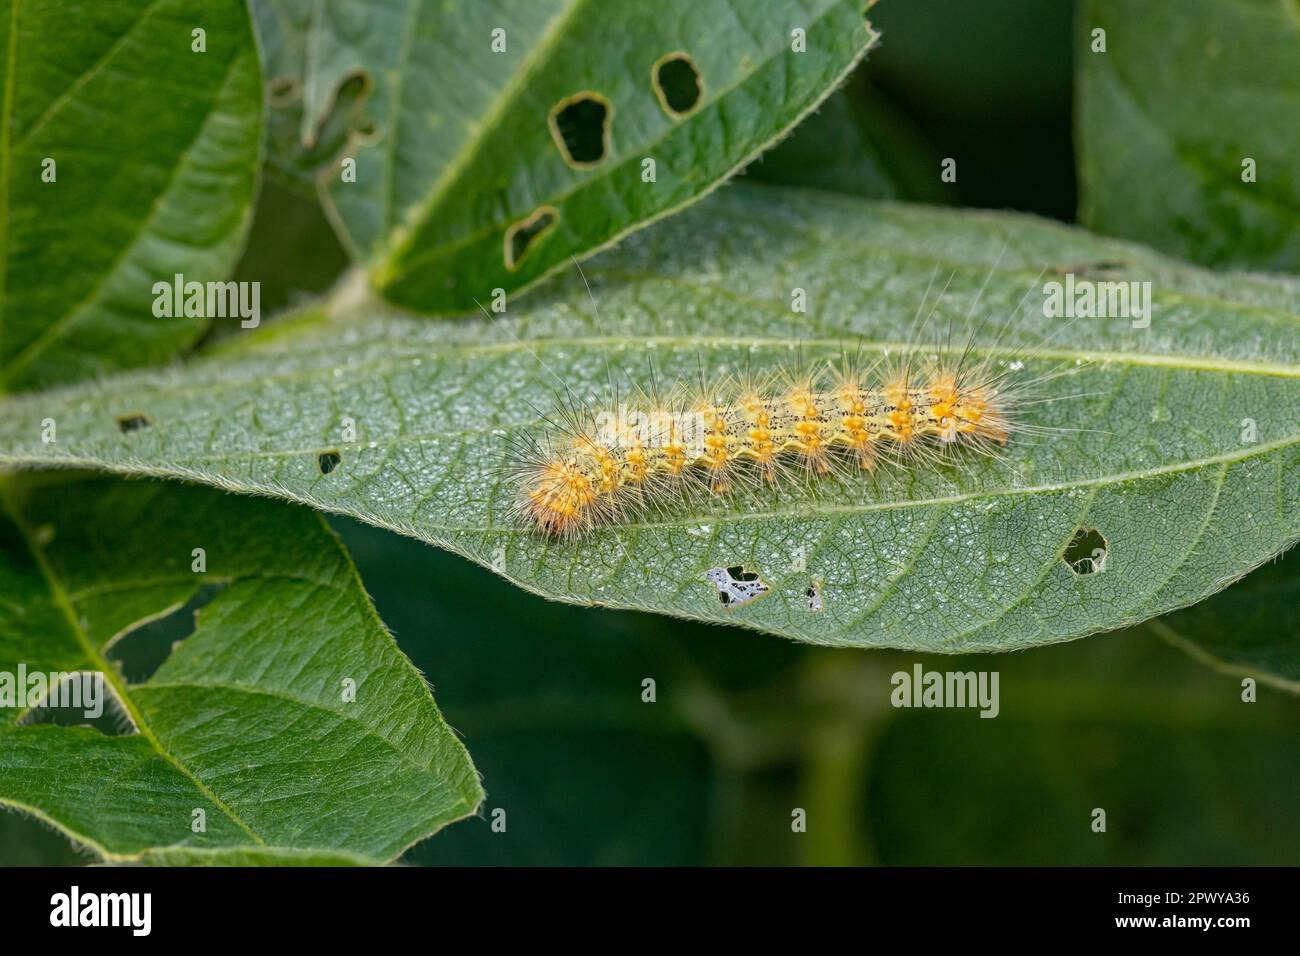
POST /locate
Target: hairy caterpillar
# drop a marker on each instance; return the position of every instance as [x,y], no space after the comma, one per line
[600,463]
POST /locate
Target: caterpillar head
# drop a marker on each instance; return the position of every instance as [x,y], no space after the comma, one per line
[559,497]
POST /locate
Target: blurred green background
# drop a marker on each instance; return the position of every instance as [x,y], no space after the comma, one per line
[746,727]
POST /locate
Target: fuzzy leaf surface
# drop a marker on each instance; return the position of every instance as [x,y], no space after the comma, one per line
[1179,442]
[126,158]
[457,114]
[248,719]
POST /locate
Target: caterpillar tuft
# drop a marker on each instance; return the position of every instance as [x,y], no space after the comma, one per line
[606,462]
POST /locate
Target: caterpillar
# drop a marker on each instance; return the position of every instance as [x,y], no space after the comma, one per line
[600,463]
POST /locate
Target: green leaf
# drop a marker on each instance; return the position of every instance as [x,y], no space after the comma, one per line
[247,719]
[1252,629]
[1161,151]
[554,697]
[249,856]
[462,185]
[745,727]
[1146,440]
[79,254]
[300,145]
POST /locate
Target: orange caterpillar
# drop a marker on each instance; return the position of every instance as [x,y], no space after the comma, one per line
[603,463]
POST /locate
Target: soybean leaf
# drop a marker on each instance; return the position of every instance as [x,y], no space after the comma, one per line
[500,139]
[249,856]
[1252,629]
[1187,132]
[300,145]
[744,727]
[1178,443]
[558,686]
[92,213]
[287,727]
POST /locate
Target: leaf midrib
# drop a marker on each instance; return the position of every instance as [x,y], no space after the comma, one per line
[55,331]
[1194,363]
[120,690]
[1101,481]
[495,113]
[6,117]
[87,75]
[1203,653]
[335,507]
[432,252]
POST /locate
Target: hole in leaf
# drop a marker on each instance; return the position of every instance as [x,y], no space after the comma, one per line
[133,422]
[327,461]
[522,234]
[1106,268]
[677,84]
[339,121]
[814,596]
[356,85]
[736,586]
[580,126]
[75,699]
[1087,552]
[141,649]
[283,91]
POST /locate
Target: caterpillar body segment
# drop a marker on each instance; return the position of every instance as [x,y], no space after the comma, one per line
[605,462]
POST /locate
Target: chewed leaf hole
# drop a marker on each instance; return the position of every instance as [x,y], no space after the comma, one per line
[522,234]
[76,699]
[580,126]
[677,83]
[1107,267]
[1101,269]
[367,130]
[133,422]
[327,461]
[1087,552]
[736,586]
[283,91]
[814,596]
[143,647]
